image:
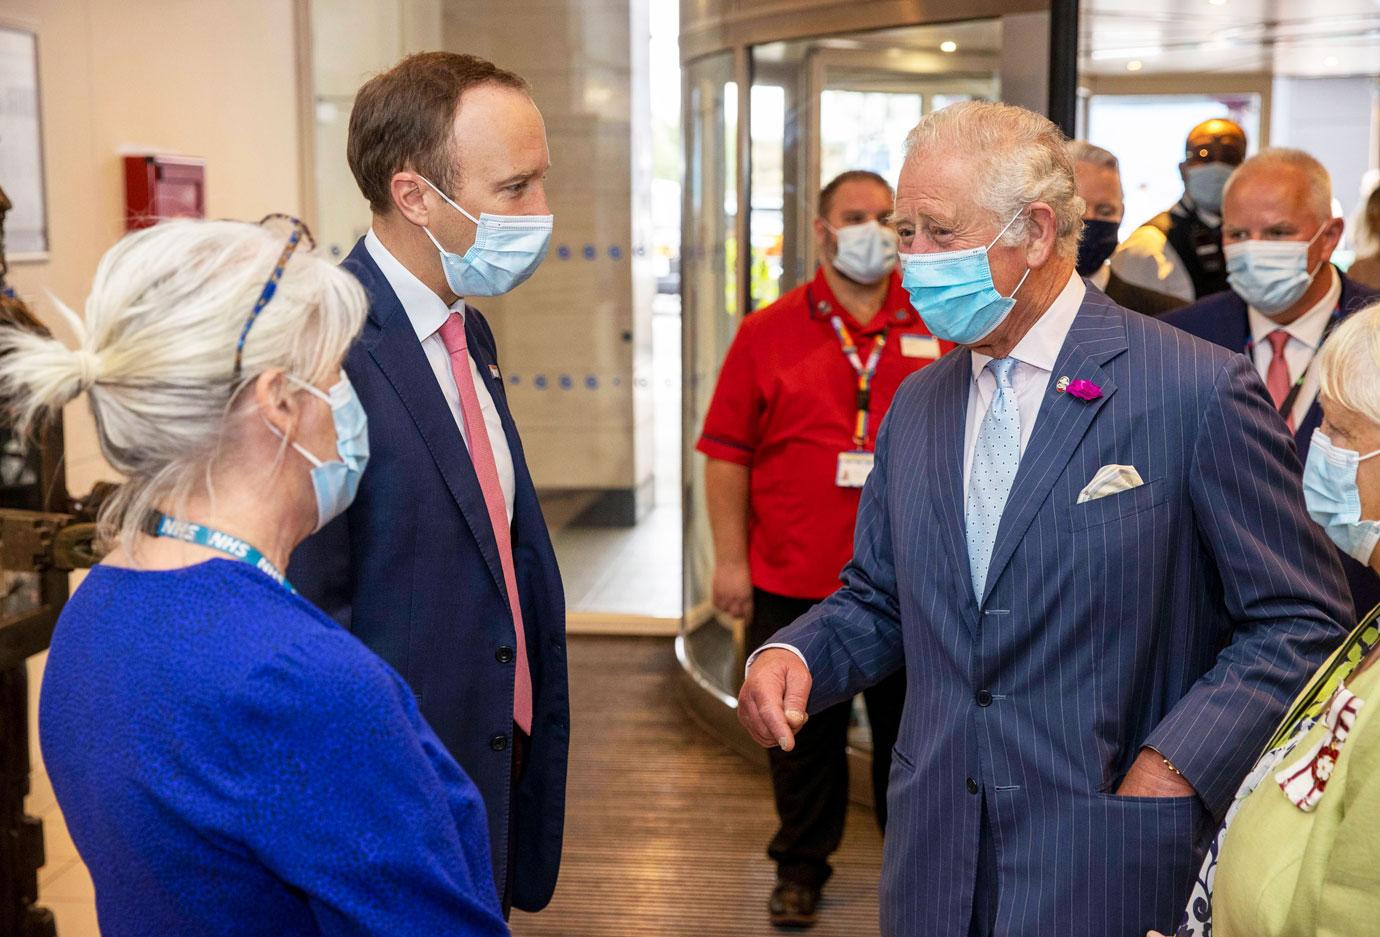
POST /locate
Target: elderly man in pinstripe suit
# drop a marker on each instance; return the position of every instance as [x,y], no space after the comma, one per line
[1085,538]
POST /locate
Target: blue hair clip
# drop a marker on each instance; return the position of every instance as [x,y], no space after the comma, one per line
[299,230]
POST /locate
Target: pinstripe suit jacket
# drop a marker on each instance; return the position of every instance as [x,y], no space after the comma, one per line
[1182,615]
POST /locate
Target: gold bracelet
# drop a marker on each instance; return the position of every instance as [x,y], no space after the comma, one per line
[1170,765]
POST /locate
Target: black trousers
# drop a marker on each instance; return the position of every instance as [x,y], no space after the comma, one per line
[811,781]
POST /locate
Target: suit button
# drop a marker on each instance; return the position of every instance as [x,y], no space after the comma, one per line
[984,698]
[498,742]
[504,655]
[972,786]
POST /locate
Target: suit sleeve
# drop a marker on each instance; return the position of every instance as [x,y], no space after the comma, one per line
[1282,587]
[852,639]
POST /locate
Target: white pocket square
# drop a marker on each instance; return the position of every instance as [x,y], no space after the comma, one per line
[1109,480]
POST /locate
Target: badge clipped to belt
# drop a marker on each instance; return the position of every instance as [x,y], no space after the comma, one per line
[856,465]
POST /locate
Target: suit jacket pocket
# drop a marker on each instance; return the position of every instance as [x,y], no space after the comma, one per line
[1143,852]
[1121,505]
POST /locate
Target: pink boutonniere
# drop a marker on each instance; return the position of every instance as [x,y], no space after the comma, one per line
[1083,390]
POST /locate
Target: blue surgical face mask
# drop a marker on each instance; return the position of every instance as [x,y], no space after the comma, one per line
[1205,183]
[1334,501]
[866,252]
[954,293]
[507,249]
[336,481]
[1270,275]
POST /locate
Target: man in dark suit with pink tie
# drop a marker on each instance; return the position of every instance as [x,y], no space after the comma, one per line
[443,564]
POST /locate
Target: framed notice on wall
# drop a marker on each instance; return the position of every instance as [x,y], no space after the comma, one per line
[21,146]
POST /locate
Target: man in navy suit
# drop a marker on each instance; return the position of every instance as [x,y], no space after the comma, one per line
[1285,298]
[443,565]
[1085,539]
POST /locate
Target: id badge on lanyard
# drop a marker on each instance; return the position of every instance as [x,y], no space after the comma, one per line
[856,465]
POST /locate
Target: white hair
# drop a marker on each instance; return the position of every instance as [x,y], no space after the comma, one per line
[1016,157]
[1081,151]
[1349,365]
[1315,175]
[156,353]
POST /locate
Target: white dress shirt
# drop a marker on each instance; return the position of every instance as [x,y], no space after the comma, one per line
[1035,354]
[427,313]
[1305,335]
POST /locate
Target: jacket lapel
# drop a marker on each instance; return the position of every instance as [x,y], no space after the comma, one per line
[1097,336]
[393,346]
[946,454]
[488,364]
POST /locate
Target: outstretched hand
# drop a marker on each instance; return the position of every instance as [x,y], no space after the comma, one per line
[771,704]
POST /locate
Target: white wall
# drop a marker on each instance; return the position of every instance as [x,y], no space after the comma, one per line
[209,78]
[1333,119]
[570,320]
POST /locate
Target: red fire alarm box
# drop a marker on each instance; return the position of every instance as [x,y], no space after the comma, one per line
[162,187]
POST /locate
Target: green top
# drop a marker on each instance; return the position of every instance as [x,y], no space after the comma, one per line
[1283,871]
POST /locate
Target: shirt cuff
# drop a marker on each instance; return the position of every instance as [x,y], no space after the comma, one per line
[767,647]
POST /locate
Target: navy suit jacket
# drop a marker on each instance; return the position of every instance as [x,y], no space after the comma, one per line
[412,569]
[1183,614]
[1221,318]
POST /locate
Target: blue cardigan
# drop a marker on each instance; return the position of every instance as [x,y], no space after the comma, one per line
[231,761]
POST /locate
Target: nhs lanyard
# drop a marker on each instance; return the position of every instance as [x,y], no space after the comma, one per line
[161,525]
[865,374]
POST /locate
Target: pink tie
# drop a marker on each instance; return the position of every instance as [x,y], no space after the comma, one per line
[482,453]
[1277,375]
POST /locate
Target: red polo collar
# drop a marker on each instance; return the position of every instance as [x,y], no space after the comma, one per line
[896,311]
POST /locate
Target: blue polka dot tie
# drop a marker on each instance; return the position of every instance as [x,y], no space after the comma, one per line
[995,459]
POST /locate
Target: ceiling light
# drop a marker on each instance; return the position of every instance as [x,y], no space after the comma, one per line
[1134,65]
[1130,52]
[948,45]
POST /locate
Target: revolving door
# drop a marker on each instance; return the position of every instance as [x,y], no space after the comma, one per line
[768,120]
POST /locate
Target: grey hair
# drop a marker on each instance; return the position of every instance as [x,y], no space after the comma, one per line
[1280,157]
[1349,365]
[1016,156]
[1081,151]
[156,351]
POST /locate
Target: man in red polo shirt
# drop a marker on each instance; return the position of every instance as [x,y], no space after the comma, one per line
[789,439]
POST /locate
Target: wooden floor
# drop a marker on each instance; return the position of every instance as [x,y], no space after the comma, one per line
[666,827]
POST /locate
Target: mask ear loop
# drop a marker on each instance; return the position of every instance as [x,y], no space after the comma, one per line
[447,198]
[1316,234]
[1000,233]
[1006,227]
[296,446]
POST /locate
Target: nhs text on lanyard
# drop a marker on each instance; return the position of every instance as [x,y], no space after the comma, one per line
[855,466]
[209,537]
